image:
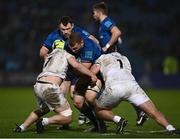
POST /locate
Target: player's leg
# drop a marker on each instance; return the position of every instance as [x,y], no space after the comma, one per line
[35,115]
[65,87]
[141,100]
[107,100]
[64,116]
[56,101]
[141,116]
[109,116]
[81,104]
[155,114]
[90,97]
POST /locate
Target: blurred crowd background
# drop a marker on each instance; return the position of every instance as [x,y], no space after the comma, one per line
[150,35]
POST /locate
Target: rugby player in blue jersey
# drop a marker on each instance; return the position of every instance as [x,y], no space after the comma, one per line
[110,41]
[86,52]
[60,39]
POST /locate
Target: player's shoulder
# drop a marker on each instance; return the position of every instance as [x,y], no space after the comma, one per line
[80,30]
[55,34]
[108,22]
[90,44]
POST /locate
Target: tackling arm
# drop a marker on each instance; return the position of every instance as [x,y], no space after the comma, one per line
[72,61]
[95,68]
[43,52]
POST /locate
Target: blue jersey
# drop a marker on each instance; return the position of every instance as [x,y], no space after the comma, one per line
[105,30]
[88,53]
[84,34]
[55,40]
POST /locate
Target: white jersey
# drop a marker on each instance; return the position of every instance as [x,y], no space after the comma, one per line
[120,84]
[56,64]
[115,68]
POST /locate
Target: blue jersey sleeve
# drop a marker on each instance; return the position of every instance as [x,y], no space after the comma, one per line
[55,40]
[108,24]
[49,41]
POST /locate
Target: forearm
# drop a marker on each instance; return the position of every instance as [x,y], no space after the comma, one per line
[84,70]
[113,40]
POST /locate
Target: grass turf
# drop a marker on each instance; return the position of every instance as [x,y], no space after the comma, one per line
[17,103]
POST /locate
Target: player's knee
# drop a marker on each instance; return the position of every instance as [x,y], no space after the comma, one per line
[90,96]
[78,103]
[42,111]
[67,116]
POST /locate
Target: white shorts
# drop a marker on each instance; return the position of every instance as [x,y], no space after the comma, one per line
[129,91]
[49,95]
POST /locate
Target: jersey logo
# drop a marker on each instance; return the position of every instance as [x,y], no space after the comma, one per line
[88,54]
[58,44]
[85,33]
[107,24]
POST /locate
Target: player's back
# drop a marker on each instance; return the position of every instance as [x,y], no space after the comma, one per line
[115,68]
[56,64]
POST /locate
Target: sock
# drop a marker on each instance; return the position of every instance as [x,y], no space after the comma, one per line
[45,121]
[138,111]
[22,127]
[87,111]
[116,119]
[101,124]
[170,128]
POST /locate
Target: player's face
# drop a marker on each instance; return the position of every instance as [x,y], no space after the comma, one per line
[76,47]
[66,30]
[96,14]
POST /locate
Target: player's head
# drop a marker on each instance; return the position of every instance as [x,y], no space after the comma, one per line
[75,42]
[65,26]
[99,9]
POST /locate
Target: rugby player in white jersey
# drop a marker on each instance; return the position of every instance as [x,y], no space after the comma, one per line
[48,93]
[120,85]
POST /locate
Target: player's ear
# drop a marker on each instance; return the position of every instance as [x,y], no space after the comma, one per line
[82,42]
[72,25]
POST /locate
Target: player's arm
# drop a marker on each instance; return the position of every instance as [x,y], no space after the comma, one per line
[72,61]
[87,65]
[94,39]
[43,52]
[95,68]
[115,35]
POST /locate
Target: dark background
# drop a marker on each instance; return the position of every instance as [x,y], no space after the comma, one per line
[150,32]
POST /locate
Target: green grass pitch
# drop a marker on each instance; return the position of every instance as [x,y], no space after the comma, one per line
[17,103]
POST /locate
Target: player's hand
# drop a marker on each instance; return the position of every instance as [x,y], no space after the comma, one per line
[104,49]
[93,79]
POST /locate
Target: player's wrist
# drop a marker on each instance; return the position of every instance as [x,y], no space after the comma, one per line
[107,45]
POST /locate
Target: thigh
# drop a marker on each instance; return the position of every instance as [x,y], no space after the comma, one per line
[65,86]
[109,98]
[137,96]
[38,90]
[53,97]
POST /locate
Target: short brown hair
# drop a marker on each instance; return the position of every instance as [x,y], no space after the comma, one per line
[65,20]
[74,38]
[102,6]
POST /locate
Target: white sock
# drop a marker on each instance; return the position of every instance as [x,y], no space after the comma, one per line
[170,128]
[45,121]
[116,118]
[22,127]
